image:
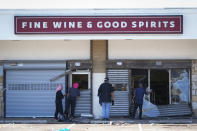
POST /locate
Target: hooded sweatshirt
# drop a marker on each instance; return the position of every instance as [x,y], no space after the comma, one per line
[59,95]
[74,91]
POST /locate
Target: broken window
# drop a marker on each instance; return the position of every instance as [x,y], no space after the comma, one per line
[180,86]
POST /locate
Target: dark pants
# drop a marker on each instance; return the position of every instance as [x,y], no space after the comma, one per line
[135,109]
[70,103]
[59,109]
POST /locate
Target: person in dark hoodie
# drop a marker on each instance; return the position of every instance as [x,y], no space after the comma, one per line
[138,99]
[72,95]
[106,98]
[58,102]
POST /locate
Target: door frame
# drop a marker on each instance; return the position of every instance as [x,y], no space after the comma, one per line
[78,72]
[170,81]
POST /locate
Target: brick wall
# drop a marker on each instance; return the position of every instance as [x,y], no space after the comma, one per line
[99,56]
[194,87]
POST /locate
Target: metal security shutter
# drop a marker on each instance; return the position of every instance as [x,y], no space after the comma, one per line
[175,110]
[29,93]
[83,105]
[121,107]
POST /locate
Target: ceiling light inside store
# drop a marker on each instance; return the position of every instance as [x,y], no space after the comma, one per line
[119,63]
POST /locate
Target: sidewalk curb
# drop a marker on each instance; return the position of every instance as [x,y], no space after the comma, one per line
[114,122]
[23,121]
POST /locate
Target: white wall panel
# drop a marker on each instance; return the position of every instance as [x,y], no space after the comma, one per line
[98,79]
[152,49]
[44,50]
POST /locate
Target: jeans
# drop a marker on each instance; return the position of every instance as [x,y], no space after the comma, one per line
[135,109]
[105,109]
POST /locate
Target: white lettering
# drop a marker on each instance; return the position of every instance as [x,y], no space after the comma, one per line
[107,24]
[64,24]
[24,24]
[159,24]
[172,25]
[141,23]
[89,24]
[153,24]
[165,23]
[45,25]
[57,24]
[146,24]
[134,25]
[30,24]
[99,24]
[115,24]
[36,24]
[79,24]
[71,25]
[123,24]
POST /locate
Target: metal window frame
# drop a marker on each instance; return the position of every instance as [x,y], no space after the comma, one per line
[78,72]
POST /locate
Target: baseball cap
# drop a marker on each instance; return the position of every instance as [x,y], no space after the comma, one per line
[106,78]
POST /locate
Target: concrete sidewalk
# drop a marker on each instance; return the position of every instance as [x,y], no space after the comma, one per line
[80,120]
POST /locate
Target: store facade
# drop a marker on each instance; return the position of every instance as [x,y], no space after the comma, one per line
[39,45]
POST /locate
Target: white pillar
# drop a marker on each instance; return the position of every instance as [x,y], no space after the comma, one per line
[98,78]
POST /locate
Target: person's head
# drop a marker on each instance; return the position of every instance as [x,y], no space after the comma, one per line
[59,88]
[106,80]
[75,85]
[140,84]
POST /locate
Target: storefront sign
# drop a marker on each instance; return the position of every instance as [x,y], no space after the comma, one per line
[99,24]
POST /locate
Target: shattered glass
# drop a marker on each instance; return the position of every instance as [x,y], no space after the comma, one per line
[180,86]
[149,109]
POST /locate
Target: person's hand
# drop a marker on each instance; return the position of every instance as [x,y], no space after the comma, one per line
[150,91]
[112,102]
[67,95]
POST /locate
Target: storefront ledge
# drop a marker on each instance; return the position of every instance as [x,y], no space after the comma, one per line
[23,121]
[123,122]
[117,121]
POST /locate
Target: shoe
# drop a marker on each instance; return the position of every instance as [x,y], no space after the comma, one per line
[107,119]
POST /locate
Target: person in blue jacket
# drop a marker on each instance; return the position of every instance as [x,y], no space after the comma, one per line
[72,95]
[138,99]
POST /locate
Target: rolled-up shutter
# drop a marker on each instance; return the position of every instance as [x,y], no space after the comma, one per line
[175,110]
[29,93]
[83,104]
[121,98]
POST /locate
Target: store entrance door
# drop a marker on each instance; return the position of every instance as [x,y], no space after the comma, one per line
[159,83]
[83,105]
[157,80]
